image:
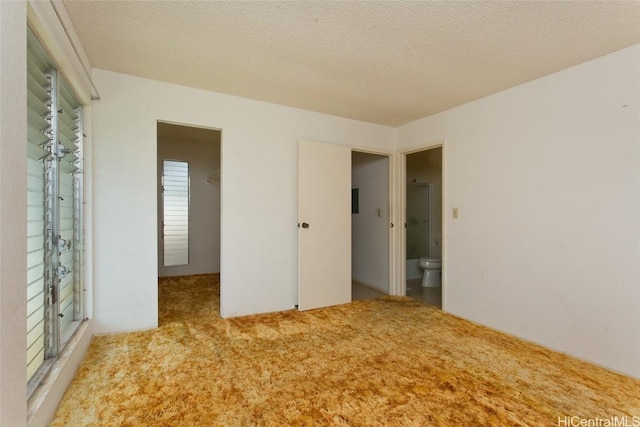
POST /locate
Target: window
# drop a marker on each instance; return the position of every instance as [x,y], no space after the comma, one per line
[54,213]
[175,212]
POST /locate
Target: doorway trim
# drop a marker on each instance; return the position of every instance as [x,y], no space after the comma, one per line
[401,187]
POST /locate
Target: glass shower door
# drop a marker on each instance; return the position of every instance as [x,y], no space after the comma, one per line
[417,220]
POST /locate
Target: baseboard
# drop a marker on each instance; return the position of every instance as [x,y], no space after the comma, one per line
[45,400]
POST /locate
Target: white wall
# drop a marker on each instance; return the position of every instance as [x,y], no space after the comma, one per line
[259,187]
[13,212]
[204,204]
[546,177]
[370,227]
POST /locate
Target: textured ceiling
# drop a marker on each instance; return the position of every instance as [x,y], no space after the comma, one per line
[387,62]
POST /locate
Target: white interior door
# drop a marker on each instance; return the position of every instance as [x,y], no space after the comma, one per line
[324,225]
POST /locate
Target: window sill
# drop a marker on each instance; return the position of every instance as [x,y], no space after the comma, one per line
[45,399]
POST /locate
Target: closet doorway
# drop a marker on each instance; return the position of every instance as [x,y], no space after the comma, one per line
[370,225]
[188,218]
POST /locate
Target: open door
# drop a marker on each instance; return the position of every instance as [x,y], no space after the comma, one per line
[324,225]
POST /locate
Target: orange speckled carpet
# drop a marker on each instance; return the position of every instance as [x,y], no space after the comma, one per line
[383,362]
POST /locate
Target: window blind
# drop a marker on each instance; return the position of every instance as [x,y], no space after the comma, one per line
[175,208]
[38,142]
[69,137]
[54,212]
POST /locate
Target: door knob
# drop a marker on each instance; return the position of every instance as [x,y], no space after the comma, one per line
[305,225]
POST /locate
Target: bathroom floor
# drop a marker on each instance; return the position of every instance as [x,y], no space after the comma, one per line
[361,292]
[431,296]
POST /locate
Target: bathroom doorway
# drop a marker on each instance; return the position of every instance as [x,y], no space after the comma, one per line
[423,225]
[370,225]
[188,165]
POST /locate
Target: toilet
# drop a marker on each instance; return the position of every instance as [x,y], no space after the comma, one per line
[432,270]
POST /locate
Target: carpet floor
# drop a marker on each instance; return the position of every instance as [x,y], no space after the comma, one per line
[385,362]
